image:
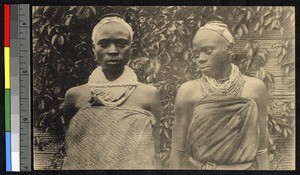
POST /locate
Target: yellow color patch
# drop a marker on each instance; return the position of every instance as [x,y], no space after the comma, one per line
[7,67]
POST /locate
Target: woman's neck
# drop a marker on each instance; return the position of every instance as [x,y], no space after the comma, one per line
[224,75]
[112,75]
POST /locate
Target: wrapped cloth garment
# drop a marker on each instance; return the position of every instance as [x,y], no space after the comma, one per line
[223,132]
[102,137]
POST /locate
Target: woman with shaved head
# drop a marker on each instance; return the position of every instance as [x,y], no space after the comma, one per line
[220,119]
[114,119]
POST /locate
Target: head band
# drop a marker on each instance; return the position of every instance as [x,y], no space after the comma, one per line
[107,20]
[220,28]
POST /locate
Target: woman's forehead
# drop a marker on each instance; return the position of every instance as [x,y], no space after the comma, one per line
[112,30]
[208,37]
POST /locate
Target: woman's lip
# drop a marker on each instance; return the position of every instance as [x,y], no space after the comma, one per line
[203,67]
[113,62]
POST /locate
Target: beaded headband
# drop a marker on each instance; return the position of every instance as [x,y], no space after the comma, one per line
[111,19]
[220,28]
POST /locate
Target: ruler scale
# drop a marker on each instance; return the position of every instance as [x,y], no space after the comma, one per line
[15,91]
[25,94]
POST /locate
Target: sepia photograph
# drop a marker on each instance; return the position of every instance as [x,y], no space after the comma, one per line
[163,87]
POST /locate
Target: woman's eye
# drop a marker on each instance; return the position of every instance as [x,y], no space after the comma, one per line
[121,44]
[104,44]
[208,51]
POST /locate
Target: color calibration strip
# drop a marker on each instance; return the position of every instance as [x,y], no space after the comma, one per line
[17,87]
[7,86]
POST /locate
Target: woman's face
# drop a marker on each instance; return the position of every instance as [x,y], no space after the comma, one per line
[211,53]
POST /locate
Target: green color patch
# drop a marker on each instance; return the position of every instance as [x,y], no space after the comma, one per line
[7,110]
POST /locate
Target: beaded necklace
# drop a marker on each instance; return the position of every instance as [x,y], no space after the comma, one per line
[111,93]
[232,85]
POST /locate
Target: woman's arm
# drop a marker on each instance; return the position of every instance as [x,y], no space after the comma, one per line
[262,155]
[180,128]
[156,111]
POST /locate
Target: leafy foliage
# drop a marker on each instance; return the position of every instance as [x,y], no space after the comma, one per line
[161,56]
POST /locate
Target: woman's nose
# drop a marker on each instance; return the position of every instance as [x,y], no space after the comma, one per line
[202,59]
[112,50]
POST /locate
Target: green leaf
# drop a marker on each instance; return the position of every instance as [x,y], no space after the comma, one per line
[292,18]
[277,128]
[261,73]
[255,46]
[270,124]
[245,29]
[68,20]
[285,133]
[250,53]
[287,43]
[292,105]
[279,103]
[281,30]
[268,21]
[290,132]
[273,147]
[256,26]
[60,40]
[167,135]
[239,33]
[258,8]
[284,107]
[215,8]
[267,12]
[166,124]
[46,8]
[271,141]
[283,53]
[271,157]
[43,29]
[93,10]
[191,16]
[78,10]
[157,66]
[289,63]
[262,56]
[248,14]
[276,45]
[247,46]
[279,50]
[50,30]
[287,70]
[261,20]
[240,17]
[274,22]
[288,15]
[260,31]
[53,39]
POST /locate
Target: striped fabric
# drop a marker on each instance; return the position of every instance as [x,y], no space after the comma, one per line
[110,138]
[224,130]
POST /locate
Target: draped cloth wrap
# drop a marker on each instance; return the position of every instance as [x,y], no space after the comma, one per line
[102,137]
[224,130]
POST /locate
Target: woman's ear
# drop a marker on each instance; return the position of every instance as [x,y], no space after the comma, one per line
[230,52]
[230,48]
[93,48]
